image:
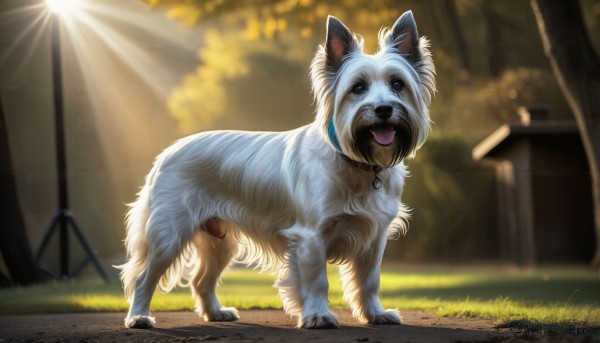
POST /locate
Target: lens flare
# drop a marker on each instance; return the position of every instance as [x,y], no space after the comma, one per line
[62,7]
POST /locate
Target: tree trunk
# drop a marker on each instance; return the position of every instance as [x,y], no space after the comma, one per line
[576,66]
[494,37]
[14,244]
[449,7]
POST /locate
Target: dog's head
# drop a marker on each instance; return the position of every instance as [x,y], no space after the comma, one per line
[374,108]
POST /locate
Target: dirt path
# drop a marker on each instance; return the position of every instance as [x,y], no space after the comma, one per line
[254,326]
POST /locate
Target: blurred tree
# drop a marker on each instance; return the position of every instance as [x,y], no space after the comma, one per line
[450,11]
[221,61]
[14,244]
[576,66]
[494,33]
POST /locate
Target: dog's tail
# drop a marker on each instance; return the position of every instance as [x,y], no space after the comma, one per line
[135,243]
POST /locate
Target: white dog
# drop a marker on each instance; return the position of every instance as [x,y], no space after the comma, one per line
[326,192]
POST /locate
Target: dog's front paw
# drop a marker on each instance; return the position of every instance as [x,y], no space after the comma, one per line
[319,321]
[388,317]
[139,322]
[224,314]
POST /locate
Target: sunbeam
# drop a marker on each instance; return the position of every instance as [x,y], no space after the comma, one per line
[43,20]
[40,20]
[134,56]
[127,68]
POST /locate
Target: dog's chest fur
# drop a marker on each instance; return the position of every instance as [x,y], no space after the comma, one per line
[359,222]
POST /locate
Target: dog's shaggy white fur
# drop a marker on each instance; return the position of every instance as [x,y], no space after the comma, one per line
[326,192]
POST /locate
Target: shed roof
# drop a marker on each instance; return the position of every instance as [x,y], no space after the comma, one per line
[506,134]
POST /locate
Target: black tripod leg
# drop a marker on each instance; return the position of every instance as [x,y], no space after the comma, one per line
[90,253]
[81,265]
[47,236]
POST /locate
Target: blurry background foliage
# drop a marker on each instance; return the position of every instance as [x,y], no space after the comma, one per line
[253,74]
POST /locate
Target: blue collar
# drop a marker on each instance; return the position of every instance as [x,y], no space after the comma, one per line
[333,136]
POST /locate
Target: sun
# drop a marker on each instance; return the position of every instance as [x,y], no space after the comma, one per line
[62,7]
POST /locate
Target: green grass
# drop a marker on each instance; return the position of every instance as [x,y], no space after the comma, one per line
[555,296]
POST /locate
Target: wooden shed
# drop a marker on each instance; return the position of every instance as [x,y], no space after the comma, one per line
[543,188]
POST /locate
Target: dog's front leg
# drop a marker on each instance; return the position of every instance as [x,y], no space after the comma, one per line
[360,281]
[303,286]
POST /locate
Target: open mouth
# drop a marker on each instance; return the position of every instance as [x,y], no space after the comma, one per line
[391,141]
[383,134]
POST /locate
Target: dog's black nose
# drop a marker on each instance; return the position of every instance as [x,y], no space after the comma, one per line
[384,111]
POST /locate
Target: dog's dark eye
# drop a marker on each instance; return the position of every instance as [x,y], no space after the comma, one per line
[397,85]
[359,88]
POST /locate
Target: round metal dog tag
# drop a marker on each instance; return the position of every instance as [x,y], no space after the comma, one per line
[377,183]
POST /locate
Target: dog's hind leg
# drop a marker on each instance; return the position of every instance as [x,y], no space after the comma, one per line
[139,311]
[215,251]
[164,246]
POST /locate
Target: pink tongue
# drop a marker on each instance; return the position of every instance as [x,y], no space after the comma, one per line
[384,136]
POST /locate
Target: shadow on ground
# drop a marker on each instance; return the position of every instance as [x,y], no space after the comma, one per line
[254,326]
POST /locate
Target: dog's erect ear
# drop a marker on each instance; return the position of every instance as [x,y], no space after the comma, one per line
[340,42]
[404,37]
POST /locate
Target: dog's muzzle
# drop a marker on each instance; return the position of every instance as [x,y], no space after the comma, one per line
[394,133]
